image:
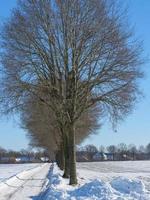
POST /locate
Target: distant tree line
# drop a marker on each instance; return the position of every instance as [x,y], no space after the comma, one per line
[118,152]
[11,156]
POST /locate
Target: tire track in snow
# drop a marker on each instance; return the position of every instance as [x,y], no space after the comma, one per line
[11,195]
[4,180]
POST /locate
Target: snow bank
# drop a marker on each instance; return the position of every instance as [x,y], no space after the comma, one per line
[118,189]
[134,189]
[128,186]
[93,190]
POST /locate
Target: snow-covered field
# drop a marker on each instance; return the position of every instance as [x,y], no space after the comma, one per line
[107,171]
[128,180]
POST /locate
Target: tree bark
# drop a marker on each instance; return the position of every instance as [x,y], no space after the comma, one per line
[60,158]
[72,157]
[66,156]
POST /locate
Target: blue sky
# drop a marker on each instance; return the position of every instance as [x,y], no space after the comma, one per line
[135,128]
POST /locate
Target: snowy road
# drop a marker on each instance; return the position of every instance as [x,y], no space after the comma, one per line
[26,185]
[9,170]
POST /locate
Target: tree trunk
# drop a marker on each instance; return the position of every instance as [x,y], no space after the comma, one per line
[66,155]
[56,158]
[60,158]
[72,157]
[133,155]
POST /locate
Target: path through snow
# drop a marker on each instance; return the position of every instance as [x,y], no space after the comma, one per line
[25,185]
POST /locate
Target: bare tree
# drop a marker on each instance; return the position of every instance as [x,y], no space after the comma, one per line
[112,149]
[102,149]
[43,130]
[148,149]
[2,152]
[80,51]
[91,148]
[133,150]
[122,148]
[141,149]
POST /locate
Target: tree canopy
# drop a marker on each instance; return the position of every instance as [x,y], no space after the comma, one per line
[71,55]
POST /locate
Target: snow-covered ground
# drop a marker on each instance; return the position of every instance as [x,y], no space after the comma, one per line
[103,181]
[25,181]
[96,181]
[125,177]
[9,170]
[107,171]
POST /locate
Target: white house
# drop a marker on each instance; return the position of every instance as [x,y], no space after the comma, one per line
[99,156]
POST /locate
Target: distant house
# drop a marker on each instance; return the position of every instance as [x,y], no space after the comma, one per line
[99,156]
[25,159]
[4,159]
[7,160]
[44,159]
[110,156]
[84,156]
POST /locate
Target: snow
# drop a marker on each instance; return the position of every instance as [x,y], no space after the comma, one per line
[127,186]
[107,171]
[29,182]
[9,170]
[128,180]
[115,188]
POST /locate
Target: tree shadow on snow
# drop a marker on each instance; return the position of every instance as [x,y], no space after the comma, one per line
[42,194]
